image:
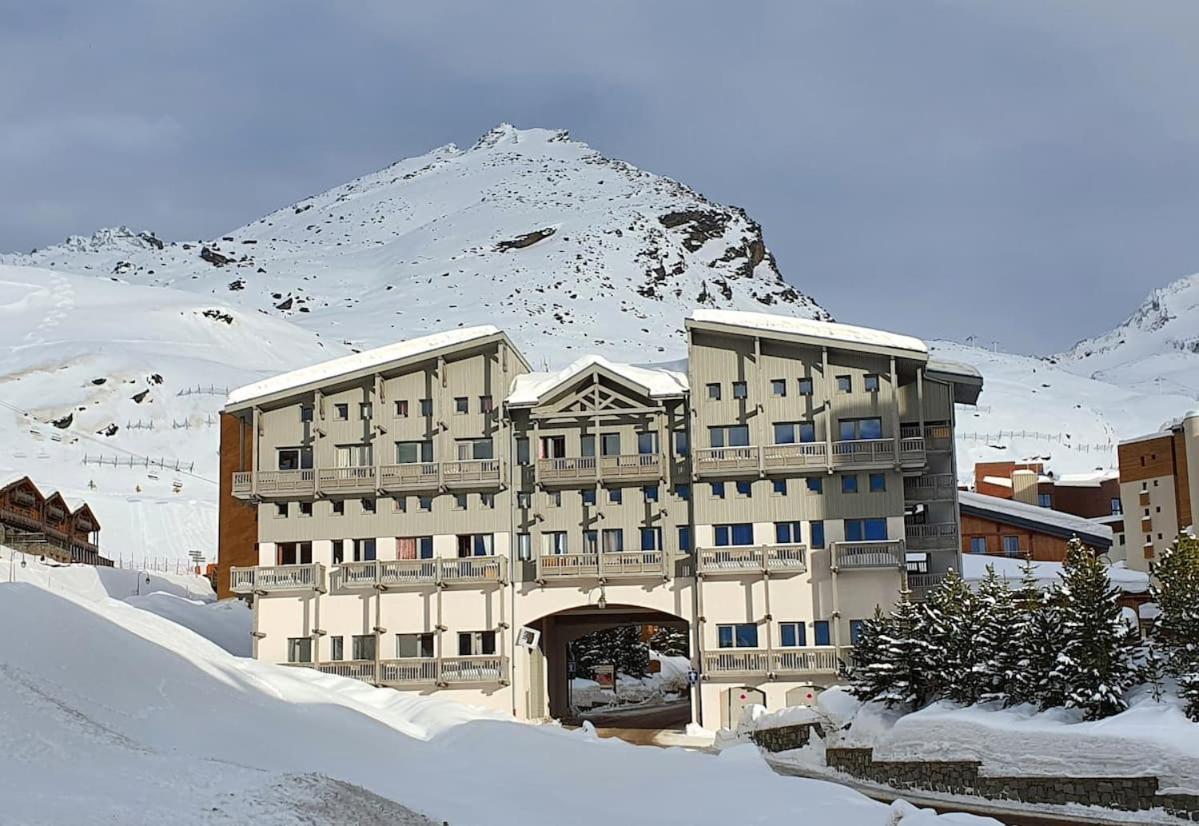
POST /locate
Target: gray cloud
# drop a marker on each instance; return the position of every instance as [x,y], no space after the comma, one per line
[1021,171]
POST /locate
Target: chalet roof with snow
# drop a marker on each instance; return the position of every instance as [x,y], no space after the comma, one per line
[362,364]
[809,331]
[1035,518]
[532,388]
[974,568]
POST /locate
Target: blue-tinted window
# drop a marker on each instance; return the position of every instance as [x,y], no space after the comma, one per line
[878,482]
[805,387]
[870,429]
[876,529]
[684,538]
[615,496]
[778,387]
[647,443]
[807,432]
[978,544]
[589,497]
[426,547]
[780,486]
[817,530]
[855,630]
[786,533]
[743,533]
[849,483]
[738,435]
[683,492]
[718,490]
[682,443]
[651,493]
[741,635]
[793,634]
[822,632]
[650,539]
[784,433]
[745,489]
[815,484]
[853,530]
[724,636]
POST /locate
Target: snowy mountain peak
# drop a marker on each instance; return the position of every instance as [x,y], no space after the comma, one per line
[566,249]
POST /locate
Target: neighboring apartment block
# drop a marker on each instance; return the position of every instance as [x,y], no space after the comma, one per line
[435,516]
[1158,492]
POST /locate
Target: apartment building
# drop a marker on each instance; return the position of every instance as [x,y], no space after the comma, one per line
[434,516]
[48,525]
[1009,527]
[1158,492]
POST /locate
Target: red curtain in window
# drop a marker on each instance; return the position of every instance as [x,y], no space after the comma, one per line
[406,547]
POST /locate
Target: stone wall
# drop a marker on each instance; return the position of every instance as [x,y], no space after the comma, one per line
[963,777]
[785,738]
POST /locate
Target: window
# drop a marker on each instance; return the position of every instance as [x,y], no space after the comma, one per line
[844,384]
[684,538]
[364,550]
[586,445]
[461,404]
[588,497]
[1117,507]
[410,453]
[855,630]
[822,632]
[305,412]
[363,646]
[778,387]
[609,444]
[815,485]
[459,501]
[590,542]
[870,383]
[414,646]
[467,449]
[615,496]
[341,412]
[855,429]
[714,392]
[476,643]
[978,544]
[741,533]
[613,540]
[553,498]
[740,390]
[294,553]
[337,507]
[281,510]
[878,482]
[339,555]
[425,504]
[784,433]
[740,635]
[805,387]
[647,444]
[524,547]
[305,509]
[779,487]
[401,408]
[299,649]
[522,451]
[730,436]
[651,539]
[807,432]
[475,544]
[650,492]
[816,530]
[414,547]
[487,500]
[865,530]
[553,447]
[849,483]
[786,533]
[682,443]
[294,458]
[1011,546]
[555,542]
[793,634]
[1045,500]
[364,411]
[368,505]
[338,646]
[718,490]
[683,492]
[745,489]
[426,407]
[485,404]
[355,456]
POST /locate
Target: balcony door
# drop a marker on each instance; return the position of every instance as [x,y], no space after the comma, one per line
[411,453]
[647,444]
[609,444]
[295,458]
[553,447]
[355,456]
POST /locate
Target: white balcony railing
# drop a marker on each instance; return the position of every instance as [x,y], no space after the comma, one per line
[399,573]
[275,483]
[876,554]
[756,662]
[269,579]
[624,466]
[471,472]
[863,452]
[815,660]
[726,459]
[347,479]
[795,456]
[753,559]
[578,468]
[410,476]
[418,671]
[609,564]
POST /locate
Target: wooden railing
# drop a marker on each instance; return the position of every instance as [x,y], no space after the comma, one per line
[613,564]
[911,449]
[275,483]
[790,559]
[625,466]
[471,472]
[863,452]
[269,579]
[398,573]
[726,459]
[577,468]
[930,488]
[410,476]
[931,537]
[347,479]
[885,553]
[938,437]
[797,455]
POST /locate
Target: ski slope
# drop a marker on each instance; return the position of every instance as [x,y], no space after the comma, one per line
[132,718]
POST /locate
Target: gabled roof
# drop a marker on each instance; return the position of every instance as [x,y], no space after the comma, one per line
[1034,518]
[533,388]
[967,381]
[56,496]
[811,331]
[363,363]
[83,510]
[9,479]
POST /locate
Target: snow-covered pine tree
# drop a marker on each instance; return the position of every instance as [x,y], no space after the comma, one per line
[1034,643]
[1175,589]
[947,625]
[993,662]
[898,671]
[864,674]
[1095,664]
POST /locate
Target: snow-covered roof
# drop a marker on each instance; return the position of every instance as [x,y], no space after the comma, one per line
[825,330]
[531,388]
[1149,610]
[7,477]
[974,568]
[956,368]
[1001,481]
[1034,517]
[366,360]
[1148,437]
[1094,479]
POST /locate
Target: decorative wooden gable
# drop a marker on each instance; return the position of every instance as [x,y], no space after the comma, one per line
[22,495]
[597,391]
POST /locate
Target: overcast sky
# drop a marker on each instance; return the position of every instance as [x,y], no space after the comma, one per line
[1018,171]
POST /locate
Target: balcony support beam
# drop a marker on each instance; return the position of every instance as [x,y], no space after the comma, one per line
[825,386]
[895,415]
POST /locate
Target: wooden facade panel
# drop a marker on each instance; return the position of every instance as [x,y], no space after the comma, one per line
[1147,458]
[237,527]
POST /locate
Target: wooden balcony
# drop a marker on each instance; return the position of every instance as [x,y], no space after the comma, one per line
[419,672]
[411,477]
[726,461]
[934,487]
[872,555]
[937,437]
[604,566]
[775,560]
[781,663]
[920,584]
[388,574]
[474,474]
[277,579]
[347,480]
[934,537]
[800,456]
[584,470]
[281,483]
[878,453]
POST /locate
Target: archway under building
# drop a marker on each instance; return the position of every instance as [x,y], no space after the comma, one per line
[580,686]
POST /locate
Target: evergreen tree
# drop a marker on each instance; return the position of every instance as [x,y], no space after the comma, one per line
[671,641]
[1175,589]
[1095,663]
[1034,644]
[866,654]
[947,624]
[993,661]
[896,676]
